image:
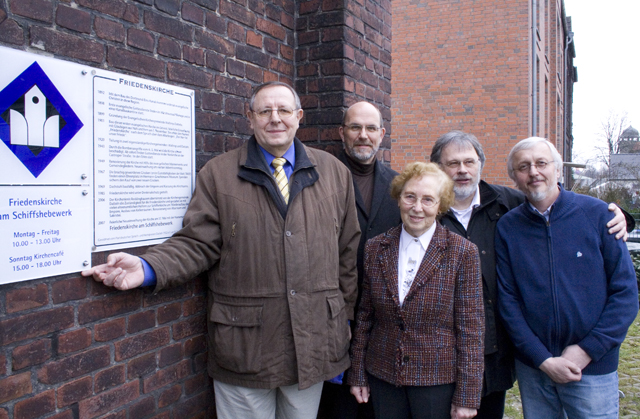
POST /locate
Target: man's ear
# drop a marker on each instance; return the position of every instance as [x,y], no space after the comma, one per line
[250,119]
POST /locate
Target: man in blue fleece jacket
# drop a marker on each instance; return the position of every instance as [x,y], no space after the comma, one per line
[567,291]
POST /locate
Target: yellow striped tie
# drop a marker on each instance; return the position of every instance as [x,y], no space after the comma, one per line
[281,177]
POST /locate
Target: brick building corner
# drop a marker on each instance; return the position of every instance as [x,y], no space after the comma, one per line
[71,348]
[479,67]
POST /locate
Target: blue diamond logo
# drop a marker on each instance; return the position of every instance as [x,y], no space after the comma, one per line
[36,122]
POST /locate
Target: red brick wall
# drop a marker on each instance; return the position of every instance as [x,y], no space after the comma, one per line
[77,348]
[556,44]
[343,56]
[71,348]
[466,66]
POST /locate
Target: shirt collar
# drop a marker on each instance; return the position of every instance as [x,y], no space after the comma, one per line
[289,155]
[547,212]
[474,203]
[406,239]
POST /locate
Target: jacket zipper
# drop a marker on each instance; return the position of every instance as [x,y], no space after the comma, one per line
[556,333]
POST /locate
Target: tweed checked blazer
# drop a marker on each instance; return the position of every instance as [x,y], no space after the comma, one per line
[437,336]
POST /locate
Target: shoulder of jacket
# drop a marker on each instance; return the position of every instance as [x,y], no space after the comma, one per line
[231,155]
[512,216]
[387,237]
[324,160]
[224,167]
[505,192]
[592,208]
[586,200]
[386,169]
[319,154]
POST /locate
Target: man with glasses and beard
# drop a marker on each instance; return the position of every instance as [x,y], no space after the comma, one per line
[477,209]
[362,130]
[567,291]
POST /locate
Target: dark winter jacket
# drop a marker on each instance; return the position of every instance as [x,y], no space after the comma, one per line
[495,201]
[282,279]
[384,212]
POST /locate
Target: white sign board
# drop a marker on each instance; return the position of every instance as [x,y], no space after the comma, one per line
[91,160]
[144,160]
[41,236]
[45,155]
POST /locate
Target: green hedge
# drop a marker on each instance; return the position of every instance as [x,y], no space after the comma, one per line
[635,256]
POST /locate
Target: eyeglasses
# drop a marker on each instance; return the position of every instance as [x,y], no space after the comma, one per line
[525,167]
[470,163]
[411,199]
[357,129]
[282,113]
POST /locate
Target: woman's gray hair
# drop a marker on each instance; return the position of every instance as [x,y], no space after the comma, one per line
[459,138]
[528,143]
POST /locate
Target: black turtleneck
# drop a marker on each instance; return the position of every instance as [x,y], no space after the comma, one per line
[363,178]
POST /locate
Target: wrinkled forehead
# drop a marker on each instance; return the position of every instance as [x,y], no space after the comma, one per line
[275,96]
[539,151]
[459,151]
[363,114]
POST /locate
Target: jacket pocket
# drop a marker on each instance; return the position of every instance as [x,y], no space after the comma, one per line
[237,337]
[339,330]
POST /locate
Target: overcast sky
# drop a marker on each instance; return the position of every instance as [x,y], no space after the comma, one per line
[607,42]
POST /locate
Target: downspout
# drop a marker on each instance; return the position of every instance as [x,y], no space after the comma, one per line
[534,87]
[565,137]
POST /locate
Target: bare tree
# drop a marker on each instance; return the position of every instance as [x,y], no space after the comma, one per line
[612,128]
[613,177]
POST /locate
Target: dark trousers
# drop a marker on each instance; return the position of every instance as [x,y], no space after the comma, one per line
[337,402]
[492,406]
[415,402]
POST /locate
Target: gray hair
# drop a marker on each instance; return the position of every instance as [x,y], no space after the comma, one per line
[459,138]
[528,143]
[271,84]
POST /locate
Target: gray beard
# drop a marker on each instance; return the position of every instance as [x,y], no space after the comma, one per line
[464,192]
[537,196]
[361,157]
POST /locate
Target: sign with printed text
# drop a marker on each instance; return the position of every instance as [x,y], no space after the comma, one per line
[144,160]
[41,235]
[91,160]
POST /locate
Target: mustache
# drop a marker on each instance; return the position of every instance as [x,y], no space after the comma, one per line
[462,177]
[536,179]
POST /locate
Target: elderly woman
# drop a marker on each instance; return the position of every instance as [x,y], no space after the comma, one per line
[418,344]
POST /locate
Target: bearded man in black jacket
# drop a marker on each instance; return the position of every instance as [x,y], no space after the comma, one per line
[477,208]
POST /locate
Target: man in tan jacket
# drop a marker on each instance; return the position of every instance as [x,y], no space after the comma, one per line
[281,262]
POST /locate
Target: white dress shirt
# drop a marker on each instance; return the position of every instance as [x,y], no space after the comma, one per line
[464,216]
[410,254]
